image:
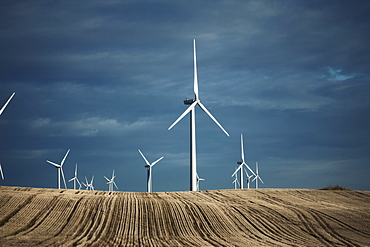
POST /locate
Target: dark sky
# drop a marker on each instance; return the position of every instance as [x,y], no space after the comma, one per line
[106,78]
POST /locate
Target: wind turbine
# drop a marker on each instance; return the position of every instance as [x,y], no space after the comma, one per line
[111,182]
[2,109]
[1,171]
[60,169]
[191,108]
[149,166]
[235,182]
[199,179]
[75,179]
[257,176]
[89,186]
[248,178]
[242,163]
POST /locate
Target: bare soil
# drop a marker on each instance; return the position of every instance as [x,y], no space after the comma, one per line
[254,217]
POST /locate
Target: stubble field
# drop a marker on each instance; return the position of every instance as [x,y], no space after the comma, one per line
[263,217]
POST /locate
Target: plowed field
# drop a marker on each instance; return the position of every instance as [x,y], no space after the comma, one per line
[263,217]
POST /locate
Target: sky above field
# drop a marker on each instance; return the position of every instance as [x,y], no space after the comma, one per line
[106,78]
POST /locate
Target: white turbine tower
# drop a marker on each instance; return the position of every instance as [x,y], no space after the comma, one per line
[1,171]
[89,186]
[2,109]
[199,179]
[149,166]
[241,164]
[60,169]
[75,179]
[191,108]
[111,182]
[257,176]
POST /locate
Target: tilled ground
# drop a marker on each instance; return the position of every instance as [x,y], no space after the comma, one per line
[263,217]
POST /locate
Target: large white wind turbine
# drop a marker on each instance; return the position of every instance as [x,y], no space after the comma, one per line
[241,164]
[111,182]
[75,179]
[2,109]
[60,169]
[89,186]
[199,179]
[257,176]
[1,172]
[149,166]
[191,108]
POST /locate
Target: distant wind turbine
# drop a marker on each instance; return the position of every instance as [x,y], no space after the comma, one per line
[257,176]
[149,166]
[2,109]
[236,182]
[241,164]
[191,108]
[1,171]
[199,179]
[89,186]
[60,169]
[75,179]
[111,182]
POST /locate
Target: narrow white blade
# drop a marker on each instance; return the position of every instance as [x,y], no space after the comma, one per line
[213,118]
[155,162]
[115,185]
[76,171]
[79,184]
[142,155]
[92,180]
[242,146]
[64,179]
[65,156]
[107,179]
[260,179]
[1,171]
[249,169]
[237,170]
[183,114]
[74,178]
[54,164]
[196,92]
[2,109]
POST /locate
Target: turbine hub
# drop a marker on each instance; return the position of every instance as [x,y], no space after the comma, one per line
[239,162]
[189,101]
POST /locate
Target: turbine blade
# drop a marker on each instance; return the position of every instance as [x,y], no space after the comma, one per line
[155,162]
[65,156]
[115,185]
[213,118]
[142,155]
[107,179]
[196,91]
[237,170]
[191,107]
[242,146]
[2,109]
[249,168]
[64,179]
[54,164]
[1,171]
[76,170]
[72,179]
[92,180]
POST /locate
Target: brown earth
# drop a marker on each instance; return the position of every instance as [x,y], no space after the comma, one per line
[263,217]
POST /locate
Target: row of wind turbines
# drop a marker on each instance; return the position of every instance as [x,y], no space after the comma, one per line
[194,178]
